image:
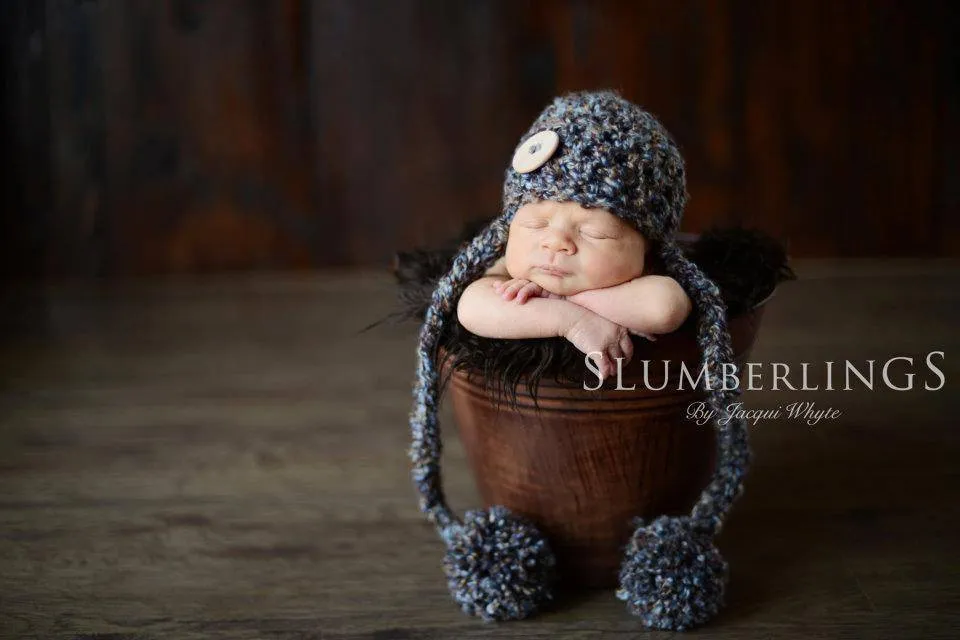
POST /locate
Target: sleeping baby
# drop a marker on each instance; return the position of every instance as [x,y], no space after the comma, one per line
[578,273]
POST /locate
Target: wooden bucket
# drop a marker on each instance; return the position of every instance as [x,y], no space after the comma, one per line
[589,461]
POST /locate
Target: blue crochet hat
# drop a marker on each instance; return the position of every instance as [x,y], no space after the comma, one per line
[611,154]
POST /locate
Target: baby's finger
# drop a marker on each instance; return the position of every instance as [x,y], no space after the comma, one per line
[530,290]
[510,291]
[615,355]
[523,293]
[626,344]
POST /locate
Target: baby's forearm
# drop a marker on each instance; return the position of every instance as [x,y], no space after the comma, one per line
[484,312]
[645,305]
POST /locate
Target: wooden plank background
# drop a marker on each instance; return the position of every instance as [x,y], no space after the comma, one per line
[190,136]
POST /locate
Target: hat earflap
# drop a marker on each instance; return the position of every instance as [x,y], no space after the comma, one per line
[673,577]
[498,565]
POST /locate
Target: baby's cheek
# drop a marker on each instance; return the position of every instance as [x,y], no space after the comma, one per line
[515,264]
[597,274]
[614,268]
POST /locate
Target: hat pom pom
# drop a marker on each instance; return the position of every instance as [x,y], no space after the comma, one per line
[673,577]
[498,566]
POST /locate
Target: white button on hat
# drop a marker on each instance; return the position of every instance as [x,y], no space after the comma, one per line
[535,150]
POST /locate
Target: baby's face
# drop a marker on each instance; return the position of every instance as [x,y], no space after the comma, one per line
[566,248]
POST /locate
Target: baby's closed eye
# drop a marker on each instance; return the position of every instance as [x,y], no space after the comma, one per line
[537,223]
[596,234]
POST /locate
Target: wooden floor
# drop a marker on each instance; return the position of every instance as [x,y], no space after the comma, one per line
[226,459]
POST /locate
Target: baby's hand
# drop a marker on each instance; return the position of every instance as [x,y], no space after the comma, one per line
[592,333]
[522,290]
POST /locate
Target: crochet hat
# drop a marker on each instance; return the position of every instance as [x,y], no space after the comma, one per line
[608,153]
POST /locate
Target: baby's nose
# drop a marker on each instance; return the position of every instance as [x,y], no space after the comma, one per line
[559,241]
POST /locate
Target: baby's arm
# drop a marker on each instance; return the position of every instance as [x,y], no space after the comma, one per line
[645,305]
[484,312]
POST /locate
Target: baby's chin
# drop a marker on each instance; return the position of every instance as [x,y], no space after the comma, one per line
[572,284]
[567,286]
